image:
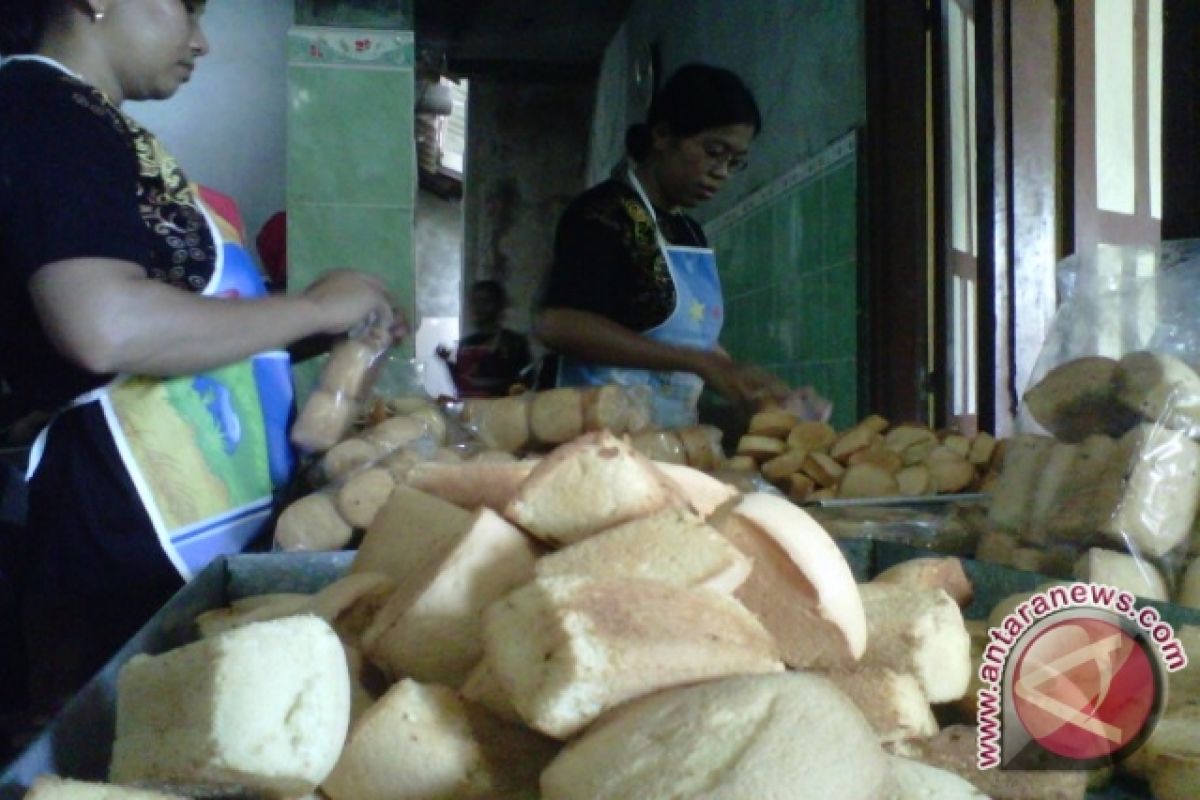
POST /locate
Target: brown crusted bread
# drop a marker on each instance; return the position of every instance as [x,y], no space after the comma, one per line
[263,709]
[472,484]
[567,649]
[790,736]
[934,572]
[893,703]
[424,741]
[1048,491]
[800,586]
[1078,398]
[673,545]
[1087,493]
[596,482]
[954,749]
[1012,497]
[919,632]
[430,627]
[50,787]
[702,444]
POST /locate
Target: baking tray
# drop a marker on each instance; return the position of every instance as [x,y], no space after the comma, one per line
[78,743]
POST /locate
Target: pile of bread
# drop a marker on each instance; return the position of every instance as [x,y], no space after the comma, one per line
[811,461]
[1112,492]
[598,625]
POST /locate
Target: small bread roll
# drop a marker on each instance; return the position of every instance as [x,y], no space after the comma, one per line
[347,456]
[556,416]
[364,494]
[312,523]
[323,421]
[348,367]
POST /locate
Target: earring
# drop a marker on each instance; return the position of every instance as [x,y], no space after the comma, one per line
[97,16]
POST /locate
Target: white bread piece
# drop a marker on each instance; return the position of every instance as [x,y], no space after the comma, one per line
[674,545]
[556,415]
[1123,571]
[484,688]
[920,632]
[1012,497]
[472,484]
[704,493]
[50,787]
[1160,388]
[596,482]
[501,423]
[259,608]
[567,649]
[262,708]
[1161,493]
[934,572]
[422,742]
[1177,733]
[790,736]
[893,703]
[384,548]
[312,522]
[430,628]
[1189,585]
[801,587]
[912,780]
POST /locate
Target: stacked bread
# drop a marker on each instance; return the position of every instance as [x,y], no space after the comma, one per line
[602,627]
[811,461]
[541,420]
[1112,493]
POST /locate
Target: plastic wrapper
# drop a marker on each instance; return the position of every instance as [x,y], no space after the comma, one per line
[344,385]
[1106,455]
[539,421]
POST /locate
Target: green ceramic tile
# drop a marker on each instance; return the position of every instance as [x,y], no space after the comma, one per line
[345,13]
[808,203]
[842,303]
[376,240]
[843,391]
[350,136]
[841,214]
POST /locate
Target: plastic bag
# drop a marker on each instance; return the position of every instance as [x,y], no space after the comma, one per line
[1103,479]
[345,383]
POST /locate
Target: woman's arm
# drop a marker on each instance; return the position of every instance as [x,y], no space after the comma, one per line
[107,316]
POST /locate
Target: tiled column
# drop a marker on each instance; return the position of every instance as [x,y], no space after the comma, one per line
[352,174]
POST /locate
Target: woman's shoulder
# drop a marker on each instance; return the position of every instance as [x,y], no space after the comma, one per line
[611,202]
[48,105]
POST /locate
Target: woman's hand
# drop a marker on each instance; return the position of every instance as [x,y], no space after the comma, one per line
[748,387]
[345,299]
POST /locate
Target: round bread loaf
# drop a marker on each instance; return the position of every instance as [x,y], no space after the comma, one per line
[784,736]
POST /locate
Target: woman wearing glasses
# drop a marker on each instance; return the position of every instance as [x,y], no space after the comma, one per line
[633,296]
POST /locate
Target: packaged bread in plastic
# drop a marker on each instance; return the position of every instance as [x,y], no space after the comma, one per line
[346,380]
[1107,452]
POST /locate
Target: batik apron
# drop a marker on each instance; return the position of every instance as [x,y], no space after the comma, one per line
[695,322]
[206,451]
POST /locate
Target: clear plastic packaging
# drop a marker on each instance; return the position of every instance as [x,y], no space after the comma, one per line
[345,383]
[1106,453]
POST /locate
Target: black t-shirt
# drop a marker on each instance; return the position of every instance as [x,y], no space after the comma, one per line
[488,364]
[80,180]
[607,259]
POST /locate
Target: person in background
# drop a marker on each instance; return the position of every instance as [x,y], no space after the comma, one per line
[128,314]
[492,359]
[633,296]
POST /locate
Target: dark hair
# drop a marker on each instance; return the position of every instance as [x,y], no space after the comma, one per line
[495,288]
[695,98]
[23,23]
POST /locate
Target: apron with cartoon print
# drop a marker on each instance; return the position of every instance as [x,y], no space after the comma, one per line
[695,322]
[205,452]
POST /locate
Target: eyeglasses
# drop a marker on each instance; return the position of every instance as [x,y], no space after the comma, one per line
[720,154]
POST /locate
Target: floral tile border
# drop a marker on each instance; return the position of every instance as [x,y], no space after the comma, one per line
[308,46]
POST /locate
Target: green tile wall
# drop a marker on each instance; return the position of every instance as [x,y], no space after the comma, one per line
[789,266]
[352,181]
[390,14]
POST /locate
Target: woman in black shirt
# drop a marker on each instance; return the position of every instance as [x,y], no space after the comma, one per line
[633,296]
[125,310]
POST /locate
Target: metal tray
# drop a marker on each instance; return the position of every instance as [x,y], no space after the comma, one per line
[78,743]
